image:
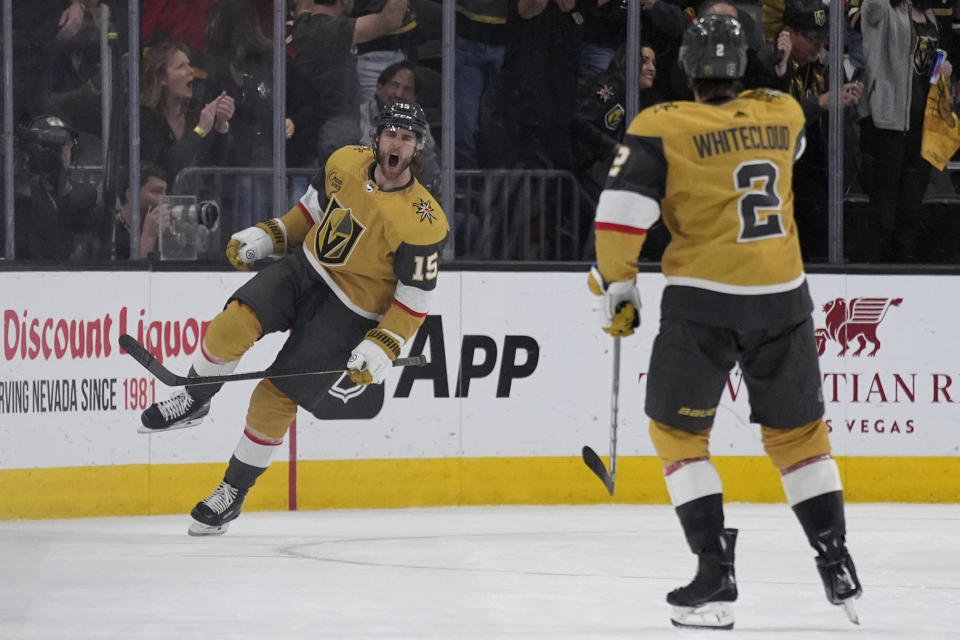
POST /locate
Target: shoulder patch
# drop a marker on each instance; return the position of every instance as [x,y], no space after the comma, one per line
[334,180]
[613,117]
[426,210]
[604,93]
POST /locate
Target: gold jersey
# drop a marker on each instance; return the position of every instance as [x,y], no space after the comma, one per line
[378,250]
[720,174]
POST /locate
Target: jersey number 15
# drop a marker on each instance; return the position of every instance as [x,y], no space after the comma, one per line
[425,267]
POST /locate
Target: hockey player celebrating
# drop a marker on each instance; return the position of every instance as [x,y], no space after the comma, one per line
[357,289]
[719,171]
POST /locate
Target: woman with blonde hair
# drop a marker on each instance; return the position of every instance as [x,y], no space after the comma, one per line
[175,131]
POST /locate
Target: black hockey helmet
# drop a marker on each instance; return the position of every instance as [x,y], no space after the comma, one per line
[403,115]
[714,48]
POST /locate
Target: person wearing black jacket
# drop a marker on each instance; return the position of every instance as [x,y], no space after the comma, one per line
[175,131]
[599,122]
[537,95]
[54,218]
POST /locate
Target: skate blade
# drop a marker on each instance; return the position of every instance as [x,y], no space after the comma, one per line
[851,610]
[200,529]
[712,615]
[182,425]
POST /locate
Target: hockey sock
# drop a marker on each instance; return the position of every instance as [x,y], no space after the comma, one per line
[230,334]
[696,493]
[250,459]
[206,365]
[815,493]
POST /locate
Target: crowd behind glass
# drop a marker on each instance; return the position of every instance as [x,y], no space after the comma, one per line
[540,93]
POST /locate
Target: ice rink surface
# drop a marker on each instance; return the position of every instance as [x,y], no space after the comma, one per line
[464,572]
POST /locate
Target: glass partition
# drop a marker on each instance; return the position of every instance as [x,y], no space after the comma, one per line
[240,102]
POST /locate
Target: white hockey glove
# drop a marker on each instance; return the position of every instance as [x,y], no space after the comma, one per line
[617,304]
[372,358]
[254,243]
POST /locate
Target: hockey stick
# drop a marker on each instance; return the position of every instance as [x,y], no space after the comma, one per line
[590,456]
[139,353]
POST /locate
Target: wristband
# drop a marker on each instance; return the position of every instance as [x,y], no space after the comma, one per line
[199,131]
[386,340]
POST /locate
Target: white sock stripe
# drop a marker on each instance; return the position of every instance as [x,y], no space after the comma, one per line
[812,480]
[207,365]
[692,481]
[255,454]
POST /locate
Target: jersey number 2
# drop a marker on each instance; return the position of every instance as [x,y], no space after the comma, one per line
[760,178]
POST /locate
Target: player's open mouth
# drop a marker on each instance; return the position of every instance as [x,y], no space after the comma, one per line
[393,161]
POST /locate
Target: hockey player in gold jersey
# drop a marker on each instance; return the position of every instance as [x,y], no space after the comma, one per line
[360,263]
[719,172]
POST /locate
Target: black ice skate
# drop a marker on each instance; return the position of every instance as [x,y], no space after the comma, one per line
[179,411]
[212,516]
[705,602]
[840,582]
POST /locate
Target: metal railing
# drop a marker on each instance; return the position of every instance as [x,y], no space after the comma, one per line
[519,214]
[502,214]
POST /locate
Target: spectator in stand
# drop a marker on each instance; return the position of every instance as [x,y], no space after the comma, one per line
[375,55]
[662,24]
[604,31]
[239,60]
[324,95]
[174,132]
[479,56]
[900,40]
[598,128]
[599,122]
[538,86]
[153,215]
[800,68]
[41,32]
[398,82]
[54,219]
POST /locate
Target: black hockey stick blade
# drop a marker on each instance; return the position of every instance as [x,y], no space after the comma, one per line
[139,353]
[593,461]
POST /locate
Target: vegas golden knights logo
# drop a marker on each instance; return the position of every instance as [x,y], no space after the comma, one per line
[338,234]
[613,118]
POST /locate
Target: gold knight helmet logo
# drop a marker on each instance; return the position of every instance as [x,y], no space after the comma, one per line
[613,118]
[337,235]
[820,17]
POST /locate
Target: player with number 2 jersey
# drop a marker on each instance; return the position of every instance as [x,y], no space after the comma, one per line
[720,174]
[719,171]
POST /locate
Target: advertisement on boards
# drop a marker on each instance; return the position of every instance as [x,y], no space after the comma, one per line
[517,367]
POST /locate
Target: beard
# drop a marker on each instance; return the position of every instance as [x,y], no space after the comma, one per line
[392,164]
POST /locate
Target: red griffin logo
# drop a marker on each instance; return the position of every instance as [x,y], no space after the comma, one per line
[858,322]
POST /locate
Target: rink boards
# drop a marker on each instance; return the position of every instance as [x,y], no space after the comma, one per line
[518,381]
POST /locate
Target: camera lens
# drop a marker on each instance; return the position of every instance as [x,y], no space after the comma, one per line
[208,214]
